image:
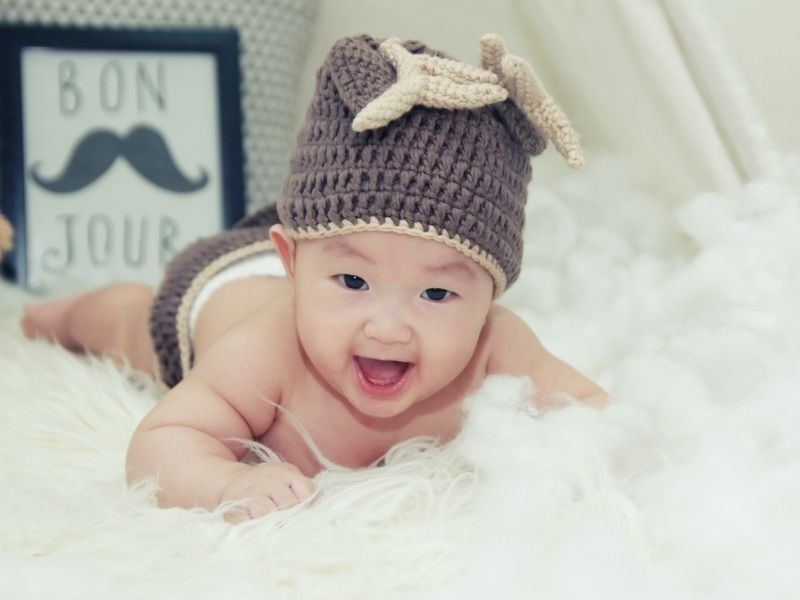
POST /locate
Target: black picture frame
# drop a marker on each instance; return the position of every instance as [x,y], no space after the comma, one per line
[222,44]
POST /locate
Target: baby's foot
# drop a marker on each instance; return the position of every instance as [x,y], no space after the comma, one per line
[50,320]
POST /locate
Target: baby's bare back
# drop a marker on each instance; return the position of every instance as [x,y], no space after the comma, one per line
[259,312]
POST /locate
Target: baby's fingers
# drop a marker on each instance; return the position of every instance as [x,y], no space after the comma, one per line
[283,496]
[253,508]
[265,488]
[302,487]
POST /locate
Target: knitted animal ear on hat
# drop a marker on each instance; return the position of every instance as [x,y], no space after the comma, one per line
[529,94]
[400,138]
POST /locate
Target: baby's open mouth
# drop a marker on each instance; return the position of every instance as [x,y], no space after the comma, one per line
[382,377]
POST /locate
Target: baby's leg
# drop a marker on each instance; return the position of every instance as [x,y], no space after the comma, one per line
[111,320]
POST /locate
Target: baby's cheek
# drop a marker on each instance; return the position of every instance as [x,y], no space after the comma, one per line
[464,336]
[453,350]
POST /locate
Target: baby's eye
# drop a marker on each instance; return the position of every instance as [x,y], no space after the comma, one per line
[436,294]
[352,282]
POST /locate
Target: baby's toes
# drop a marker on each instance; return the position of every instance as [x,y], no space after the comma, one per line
[33,322]
[47,320]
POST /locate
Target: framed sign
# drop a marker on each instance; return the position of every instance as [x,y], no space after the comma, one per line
[119,147]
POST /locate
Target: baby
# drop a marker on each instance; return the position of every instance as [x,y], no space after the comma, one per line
[361,308]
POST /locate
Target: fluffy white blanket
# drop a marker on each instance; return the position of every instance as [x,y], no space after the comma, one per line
[687,486]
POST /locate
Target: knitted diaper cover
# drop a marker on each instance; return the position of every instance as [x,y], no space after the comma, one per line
[193,274]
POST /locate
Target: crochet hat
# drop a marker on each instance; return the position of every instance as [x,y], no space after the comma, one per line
[400,138]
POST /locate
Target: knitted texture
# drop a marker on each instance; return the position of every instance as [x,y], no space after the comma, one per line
[457,175]
[431,81]
[518,78]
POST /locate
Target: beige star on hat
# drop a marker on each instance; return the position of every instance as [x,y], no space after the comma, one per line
[432,81]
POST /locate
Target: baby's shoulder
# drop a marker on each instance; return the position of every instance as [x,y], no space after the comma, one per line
[512,345]
[270,331]
[258,352]
[503,322]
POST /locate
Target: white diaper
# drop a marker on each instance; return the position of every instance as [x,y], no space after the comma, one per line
[266,263]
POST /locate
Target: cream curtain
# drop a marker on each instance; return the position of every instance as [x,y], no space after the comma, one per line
[651,79]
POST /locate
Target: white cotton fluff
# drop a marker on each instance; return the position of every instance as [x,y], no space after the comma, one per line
[687,486]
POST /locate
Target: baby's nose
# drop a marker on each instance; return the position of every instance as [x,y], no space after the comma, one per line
[388,326]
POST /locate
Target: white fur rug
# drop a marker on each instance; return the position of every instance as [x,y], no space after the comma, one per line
[687,486]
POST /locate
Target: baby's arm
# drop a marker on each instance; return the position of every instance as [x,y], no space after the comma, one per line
[188,440]
[516,350]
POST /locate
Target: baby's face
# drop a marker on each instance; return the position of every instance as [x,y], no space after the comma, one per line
[388,319]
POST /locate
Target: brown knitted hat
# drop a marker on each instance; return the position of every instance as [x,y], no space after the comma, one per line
[400,138]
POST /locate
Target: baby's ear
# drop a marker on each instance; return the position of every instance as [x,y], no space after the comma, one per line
[285,247]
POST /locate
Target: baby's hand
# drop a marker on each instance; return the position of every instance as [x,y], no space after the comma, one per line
[266,487]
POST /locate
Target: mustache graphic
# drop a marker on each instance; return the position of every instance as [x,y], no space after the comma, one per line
[145,150]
